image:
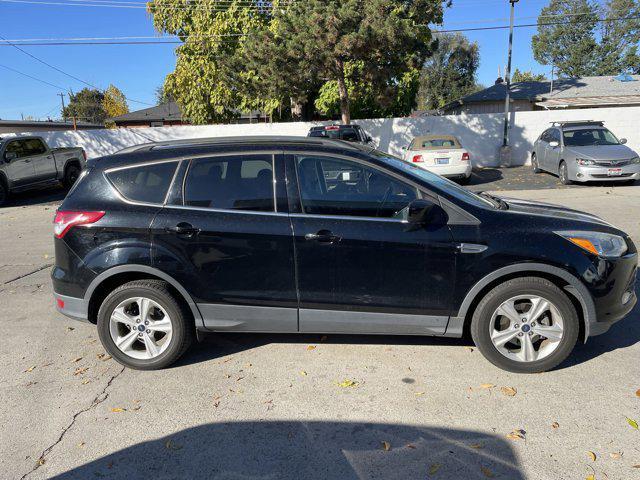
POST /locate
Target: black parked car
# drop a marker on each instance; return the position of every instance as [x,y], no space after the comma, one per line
[252,235]
[349,133]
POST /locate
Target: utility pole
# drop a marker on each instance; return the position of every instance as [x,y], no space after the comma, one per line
[505,150]
[61,95]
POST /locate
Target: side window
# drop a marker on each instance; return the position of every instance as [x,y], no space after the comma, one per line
[545,136]
[17,147]
[147,183]
[331,186]
[34,146]
[237,182]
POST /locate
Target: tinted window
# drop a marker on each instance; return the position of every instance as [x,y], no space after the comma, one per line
[148,183]
[34,146]
[17,147]
[239,182]
[589,137]
[330,186]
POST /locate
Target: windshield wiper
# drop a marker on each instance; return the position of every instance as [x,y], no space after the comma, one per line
[497,201]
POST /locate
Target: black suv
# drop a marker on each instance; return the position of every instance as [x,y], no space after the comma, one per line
[349,133]
[321,236]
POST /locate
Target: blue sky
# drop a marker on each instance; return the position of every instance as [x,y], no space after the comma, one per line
[139,69]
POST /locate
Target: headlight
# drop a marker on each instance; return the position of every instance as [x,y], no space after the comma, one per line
[584,161]
[598,243]
[635,160]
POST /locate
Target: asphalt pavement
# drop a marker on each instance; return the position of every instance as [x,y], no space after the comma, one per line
[249,406]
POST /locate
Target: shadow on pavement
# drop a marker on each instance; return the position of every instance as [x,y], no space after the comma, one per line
[36,197]
[309,450]
[623,334]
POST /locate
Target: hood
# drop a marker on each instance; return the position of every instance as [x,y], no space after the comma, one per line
[550,210]
[603,152]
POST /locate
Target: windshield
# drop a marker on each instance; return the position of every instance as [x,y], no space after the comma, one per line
[589,137]
[445,184]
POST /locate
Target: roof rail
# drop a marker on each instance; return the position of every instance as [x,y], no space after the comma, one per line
[564,123]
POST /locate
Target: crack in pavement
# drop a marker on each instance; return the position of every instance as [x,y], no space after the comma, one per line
[97,400]
[19,277]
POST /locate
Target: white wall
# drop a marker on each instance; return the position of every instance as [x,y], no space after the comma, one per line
[481,134]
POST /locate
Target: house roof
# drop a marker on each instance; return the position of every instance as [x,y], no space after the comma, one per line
[563,89]
[169,111]
[47,123]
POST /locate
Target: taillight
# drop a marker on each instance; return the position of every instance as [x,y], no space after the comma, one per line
[417,159]
[465,157]
[64,221]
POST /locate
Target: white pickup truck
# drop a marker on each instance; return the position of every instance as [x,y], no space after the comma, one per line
[27,162]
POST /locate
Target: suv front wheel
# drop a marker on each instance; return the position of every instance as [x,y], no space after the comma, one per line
[143,326]
[525,325]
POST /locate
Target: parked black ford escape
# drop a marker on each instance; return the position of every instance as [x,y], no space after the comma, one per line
[324,236]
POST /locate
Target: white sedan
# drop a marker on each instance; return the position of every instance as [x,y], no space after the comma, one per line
[441,154]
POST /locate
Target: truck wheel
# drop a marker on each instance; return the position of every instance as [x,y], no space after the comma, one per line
[71,175]
[4,193]
[144,326]
[525,325]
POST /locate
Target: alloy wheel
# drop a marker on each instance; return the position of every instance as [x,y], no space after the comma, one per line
[526,328]
[140,328]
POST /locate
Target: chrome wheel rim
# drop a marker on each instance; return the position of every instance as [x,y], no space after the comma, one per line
[534,161]
[141,328]
[526,328]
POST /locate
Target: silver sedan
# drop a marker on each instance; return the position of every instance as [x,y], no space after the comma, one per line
[584,151]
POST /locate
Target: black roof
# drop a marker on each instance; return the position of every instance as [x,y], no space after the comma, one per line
[165,112]
[197,146]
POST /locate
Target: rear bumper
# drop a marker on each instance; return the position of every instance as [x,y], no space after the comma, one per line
[457,171]
[72,307]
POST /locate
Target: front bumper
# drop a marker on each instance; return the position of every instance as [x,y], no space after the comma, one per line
[601,174]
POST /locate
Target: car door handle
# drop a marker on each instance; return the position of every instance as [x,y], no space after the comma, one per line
[183,228]
[323,236]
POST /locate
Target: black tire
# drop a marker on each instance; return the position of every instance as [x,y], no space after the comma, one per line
[71,174]
[534,163]
[480,323]
[182,324]
[464,180]
[563,174]
[4,193]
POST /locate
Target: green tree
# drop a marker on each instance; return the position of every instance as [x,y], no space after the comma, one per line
[569,45]
[618,49]
[86,105]
[450,73]
[208,83]
[361,52]
[162,96]
[527,76]
[114,102]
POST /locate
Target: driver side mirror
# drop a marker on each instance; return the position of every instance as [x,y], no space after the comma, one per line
[623,141]
[8,156]
[554,144]
[423,212]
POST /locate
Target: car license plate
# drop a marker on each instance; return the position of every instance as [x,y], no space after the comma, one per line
[614,172]
[442,161]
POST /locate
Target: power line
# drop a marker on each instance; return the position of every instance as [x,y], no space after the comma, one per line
[33,78]
[62,71]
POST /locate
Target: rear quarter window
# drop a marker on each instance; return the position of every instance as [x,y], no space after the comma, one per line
[146,183]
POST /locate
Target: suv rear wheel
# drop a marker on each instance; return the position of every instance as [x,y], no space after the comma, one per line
[71,175]
[143,326]
[525,325]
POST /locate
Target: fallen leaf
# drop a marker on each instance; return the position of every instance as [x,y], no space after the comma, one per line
[616,455]
[477,446]
[632,422]
[76,360]
[247,365]
[636,466]
[70,329]
[555,425]
[303,373]
[487,385]
[638,393]
[118,410]
[80,371]
[81,444]
[591,476]
[41,461]
[105,358]
[509,391]
[386,446]
[85,381]
[171,445]
[47,364]
[517,435]
[470,349]
[347,383]
[30,369]
[311,347]
[433,469]
[418,394]
[592,456]
[487,473]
